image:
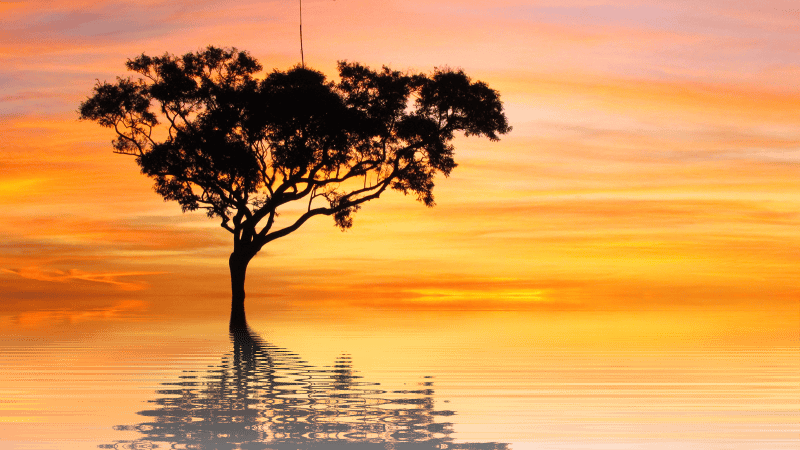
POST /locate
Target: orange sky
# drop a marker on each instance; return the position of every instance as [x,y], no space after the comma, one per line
[653,163]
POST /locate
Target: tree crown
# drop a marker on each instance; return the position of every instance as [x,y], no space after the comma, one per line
[215,137]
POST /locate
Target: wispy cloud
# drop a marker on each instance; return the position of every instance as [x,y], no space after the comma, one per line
[74,275]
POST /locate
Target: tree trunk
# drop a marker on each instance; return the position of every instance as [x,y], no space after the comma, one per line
[238,265]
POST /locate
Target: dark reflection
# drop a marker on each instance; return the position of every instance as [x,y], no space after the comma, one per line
[265,397]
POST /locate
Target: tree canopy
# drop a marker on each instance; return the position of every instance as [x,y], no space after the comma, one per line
[214,136]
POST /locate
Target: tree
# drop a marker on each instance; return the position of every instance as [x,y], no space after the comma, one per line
[215,137]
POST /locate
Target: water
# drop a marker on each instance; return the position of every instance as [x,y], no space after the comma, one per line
[393,380]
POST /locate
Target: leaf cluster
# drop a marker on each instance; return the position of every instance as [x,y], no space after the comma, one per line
[214,136]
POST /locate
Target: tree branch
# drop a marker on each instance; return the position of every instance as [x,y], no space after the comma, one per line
[324,211]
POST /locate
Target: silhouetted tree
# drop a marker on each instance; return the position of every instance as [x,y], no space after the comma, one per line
[241,148]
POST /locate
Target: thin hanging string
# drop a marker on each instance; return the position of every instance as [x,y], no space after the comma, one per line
[302,58]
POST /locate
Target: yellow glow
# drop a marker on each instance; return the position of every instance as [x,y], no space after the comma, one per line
[461,295]
[13,188]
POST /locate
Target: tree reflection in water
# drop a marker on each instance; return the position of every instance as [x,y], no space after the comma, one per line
[265,397]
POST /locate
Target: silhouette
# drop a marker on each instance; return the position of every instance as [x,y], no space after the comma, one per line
[262,396]
[241,148]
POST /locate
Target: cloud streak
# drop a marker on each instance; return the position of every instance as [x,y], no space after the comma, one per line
[72,275]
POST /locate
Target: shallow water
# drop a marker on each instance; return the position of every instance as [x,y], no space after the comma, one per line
[391,379]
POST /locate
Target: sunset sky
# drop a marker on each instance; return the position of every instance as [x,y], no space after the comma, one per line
[654,162]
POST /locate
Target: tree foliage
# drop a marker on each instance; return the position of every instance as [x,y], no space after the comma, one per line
[213,136]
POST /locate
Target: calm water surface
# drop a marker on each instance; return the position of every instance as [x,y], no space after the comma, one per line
[390,380]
